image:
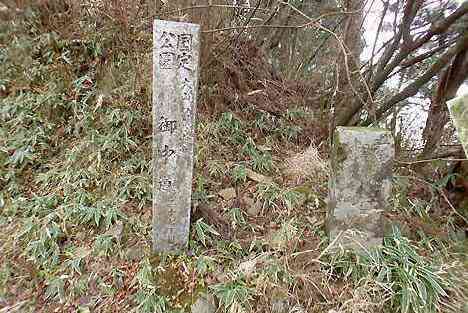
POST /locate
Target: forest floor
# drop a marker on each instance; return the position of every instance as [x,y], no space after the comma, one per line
[75,193]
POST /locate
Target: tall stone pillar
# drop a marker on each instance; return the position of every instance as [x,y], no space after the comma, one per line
[175,82]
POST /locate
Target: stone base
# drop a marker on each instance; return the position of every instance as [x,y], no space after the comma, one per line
[357,232]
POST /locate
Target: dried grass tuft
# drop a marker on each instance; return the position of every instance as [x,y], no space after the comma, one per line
[370,297]
[307,165]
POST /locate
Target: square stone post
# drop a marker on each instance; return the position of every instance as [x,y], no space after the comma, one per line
[176,49]
[360,186]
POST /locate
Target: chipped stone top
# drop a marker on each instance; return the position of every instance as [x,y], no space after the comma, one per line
[459,111]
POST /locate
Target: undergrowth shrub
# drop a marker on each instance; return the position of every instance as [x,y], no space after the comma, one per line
[418,284]
[233,295]
[42,240]
[272,195]
[75,148]
[147,297]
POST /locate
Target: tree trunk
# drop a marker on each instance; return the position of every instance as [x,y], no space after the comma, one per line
[352,41]
[450,80]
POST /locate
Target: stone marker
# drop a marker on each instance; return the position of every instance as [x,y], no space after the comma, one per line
[360,186]
[459,111]
[176,49]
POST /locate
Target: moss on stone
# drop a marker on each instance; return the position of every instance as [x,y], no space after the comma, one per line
[172,283]
[364,129]
[339,153]
[457,106]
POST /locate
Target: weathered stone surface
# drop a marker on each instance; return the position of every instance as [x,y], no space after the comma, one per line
[204,304]
[175,69]
[459,111]
[360,186]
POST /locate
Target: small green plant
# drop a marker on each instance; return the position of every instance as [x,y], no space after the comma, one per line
[104,245]
[135,187]
[237,217]
[232,128]
[113,215]
[233,295]
[118,277]
[21,156]
[231,249]
[56,288]
[263,121]
[205,264]
[147,297]
[292,114]
[418,284]
[239,174]
[76,259]
[289,132]
[90,214]
[149,301]
[272,195]
[276,272]
[5,275]
[250,148]
[42,241]
[201,190]
[204,232]
[269,194]
[215,168]
[262,162]
[290,198]
[229,121]
[80,285]
[285,237]
[145,275]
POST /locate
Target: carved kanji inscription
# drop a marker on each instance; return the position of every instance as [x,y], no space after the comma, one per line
[175,79]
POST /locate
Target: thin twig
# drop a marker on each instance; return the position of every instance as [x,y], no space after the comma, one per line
[332,109]
[452,207]
[254,26]
[312,22]
[343,48]
[406,64]
[13,308]
[429,160]
[441,193]
[222,6]
[252,14]
[379,29]
[364,18]
[319,48]
[317,259]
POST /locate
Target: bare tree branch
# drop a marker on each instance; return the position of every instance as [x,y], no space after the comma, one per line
[437,28]
[414,87]
[394,55]
[379,29]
